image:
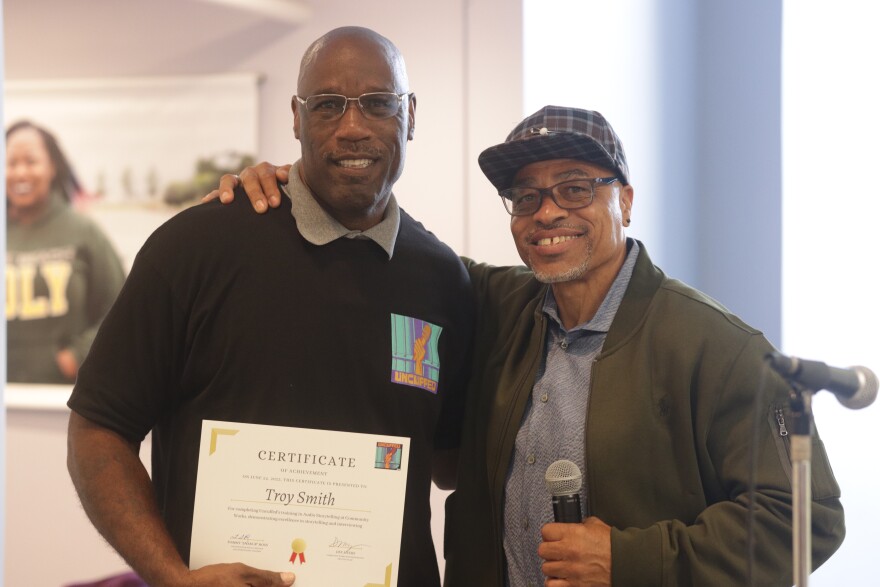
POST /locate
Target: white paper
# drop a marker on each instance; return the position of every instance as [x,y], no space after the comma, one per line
[326,505]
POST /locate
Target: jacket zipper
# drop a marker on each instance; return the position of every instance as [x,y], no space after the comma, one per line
[781,439]
[780,420]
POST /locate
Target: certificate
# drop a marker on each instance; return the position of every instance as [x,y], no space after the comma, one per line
[326,505]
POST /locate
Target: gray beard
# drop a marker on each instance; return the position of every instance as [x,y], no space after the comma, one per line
[569,275]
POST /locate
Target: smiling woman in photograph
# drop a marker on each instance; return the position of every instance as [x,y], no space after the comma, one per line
[62,273]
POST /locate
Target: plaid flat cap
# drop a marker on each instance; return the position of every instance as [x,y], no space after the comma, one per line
[555,132]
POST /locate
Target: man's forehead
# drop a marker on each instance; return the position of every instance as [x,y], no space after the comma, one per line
[339,60]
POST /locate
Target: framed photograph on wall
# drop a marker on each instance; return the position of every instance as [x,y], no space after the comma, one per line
[142,149]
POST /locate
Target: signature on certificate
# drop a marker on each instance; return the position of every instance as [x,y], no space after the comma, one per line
[344,547]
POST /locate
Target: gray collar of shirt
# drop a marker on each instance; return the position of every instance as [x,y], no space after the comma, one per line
[601,322]
[318,227]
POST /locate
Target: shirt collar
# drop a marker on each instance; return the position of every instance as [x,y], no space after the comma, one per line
[318,227]
[601,322]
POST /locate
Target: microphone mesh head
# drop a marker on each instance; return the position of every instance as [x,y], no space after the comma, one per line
[563,478]
[866,393]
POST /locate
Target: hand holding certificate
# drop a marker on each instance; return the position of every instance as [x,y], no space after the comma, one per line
[325,505]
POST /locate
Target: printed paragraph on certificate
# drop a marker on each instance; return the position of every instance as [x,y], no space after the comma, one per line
[326,505]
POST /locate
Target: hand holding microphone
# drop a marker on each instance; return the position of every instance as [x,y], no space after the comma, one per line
[577,550]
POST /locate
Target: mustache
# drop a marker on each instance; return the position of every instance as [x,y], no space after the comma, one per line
[554,226]
[365,151]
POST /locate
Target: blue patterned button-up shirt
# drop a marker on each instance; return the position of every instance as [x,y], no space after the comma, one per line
[553,427]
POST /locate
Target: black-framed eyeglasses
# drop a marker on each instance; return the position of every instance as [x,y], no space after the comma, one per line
[373,105]
[570,195]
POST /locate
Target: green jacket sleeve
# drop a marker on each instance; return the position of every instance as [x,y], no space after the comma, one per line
[713,549]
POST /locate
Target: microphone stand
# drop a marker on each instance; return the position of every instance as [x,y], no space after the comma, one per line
[801,400]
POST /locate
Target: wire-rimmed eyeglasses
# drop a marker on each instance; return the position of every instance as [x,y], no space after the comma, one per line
[570,195]
[373,105]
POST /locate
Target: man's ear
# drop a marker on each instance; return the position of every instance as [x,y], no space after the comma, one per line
[626,201]
[411,131]
[294,105]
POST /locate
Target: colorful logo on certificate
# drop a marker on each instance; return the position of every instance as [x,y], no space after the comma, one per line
[389,455]
[415,358]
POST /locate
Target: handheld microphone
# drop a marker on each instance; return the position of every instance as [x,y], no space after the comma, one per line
[854,387]
[563,481]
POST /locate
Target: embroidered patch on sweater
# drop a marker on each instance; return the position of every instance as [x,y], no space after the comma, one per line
[415,360]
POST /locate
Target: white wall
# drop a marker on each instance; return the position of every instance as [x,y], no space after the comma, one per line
[830,246]
[50,542]
[464,60]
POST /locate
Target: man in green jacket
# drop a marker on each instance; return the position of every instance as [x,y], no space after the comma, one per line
[597,357]
[656,392]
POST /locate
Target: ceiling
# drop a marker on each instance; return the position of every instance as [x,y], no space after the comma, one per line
[97,38]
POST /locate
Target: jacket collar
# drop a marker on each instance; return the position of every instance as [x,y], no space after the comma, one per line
[646,280]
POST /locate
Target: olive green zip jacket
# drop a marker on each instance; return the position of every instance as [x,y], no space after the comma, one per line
[668,439]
